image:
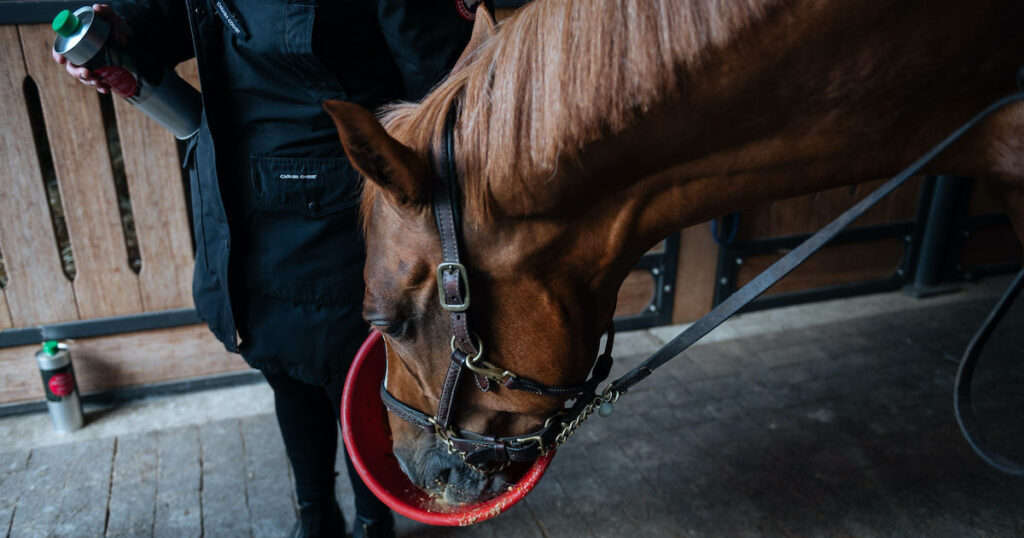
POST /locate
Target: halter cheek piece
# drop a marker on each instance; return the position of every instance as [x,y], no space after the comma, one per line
[481,452]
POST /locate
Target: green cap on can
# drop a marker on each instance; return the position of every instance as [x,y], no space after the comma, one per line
[50,347]
[66,23]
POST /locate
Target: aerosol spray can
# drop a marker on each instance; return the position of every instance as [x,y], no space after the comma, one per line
[60,386]
[155,89]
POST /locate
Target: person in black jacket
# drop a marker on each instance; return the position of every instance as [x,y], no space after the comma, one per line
[279,255]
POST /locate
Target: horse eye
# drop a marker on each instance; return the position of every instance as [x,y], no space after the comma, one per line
[390,327]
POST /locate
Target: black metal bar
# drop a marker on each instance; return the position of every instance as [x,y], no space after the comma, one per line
[121,395]
[731,256]
[98,327]
[667,285]
[924,202]
[952,268]
[663,267]
[23,12]
[982,271]
[937,230]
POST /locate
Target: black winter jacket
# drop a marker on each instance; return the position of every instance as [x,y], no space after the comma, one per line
[279,254]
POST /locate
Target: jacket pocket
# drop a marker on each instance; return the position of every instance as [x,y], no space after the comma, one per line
[306,245]
[308,186]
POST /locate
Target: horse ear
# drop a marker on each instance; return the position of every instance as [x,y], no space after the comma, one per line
[382,159]
[483,29]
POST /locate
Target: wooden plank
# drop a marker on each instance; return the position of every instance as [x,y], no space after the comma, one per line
[830,204]
[19,377]
[224,495]
[133,486]
[270,502]
[104,285]
[83,510]
[37,290]
[123,360]
[12,476]
[695,279]
[984,200]
[851,262]
[179,481]
[791,216]
[990,246]
[635,294]
[39,503]
[190,72]
[5,314]
[158,205]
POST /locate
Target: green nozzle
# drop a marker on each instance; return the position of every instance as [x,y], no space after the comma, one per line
[50,347]
[66,23]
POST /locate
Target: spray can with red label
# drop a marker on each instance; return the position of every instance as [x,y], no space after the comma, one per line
[84,39]
[60,386]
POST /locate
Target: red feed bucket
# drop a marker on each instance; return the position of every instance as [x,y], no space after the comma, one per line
[368,440]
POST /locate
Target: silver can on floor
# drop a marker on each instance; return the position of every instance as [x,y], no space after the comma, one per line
[61,388]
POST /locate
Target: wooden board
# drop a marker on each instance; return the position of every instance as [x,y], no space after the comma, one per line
[122,360]
[990,246]
[37,290]
[190,72]
[984,200]
[158,205]
[832,265]
[5,315]
[104,285]
[695,279]
[635,294]
[811,212]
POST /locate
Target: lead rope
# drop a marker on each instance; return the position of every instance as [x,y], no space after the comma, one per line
[965,375]
[798,255]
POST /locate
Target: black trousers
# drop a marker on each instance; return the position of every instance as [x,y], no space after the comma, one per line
[309,416]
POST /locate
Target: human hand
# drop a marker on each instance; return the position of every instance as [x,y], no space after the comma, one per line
[120,32]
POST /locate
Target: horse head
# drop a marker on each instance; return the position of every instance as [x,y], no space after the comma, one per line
[527,277]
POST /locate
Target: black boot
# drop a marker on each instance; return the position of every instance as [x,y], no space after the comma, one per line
[364,527]
[319,519]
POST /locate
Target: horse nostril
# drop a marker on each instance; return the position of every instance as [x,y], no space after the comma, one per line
[444,476]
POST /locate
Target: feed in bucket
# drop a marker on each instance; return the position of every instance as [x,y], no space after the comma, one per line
[368,440]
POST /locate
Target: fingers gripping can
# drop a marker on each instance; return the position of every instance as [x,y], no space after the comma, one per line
[60,386]
[152,87]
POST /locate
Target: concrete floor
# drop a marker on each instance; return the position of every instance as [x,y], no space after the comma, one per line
[818,420]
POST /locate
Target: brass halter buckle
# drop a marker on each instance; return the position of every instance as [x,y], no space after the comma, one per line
[460,270]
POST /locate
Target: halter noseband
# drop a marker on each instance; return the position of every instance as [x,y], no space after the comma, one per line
[481,452]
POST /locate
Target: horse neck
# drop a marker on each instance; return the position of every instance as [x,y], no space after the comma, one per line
[787,112]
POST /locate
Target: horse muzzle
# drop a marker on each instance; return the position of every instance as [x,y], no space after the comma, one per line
[368,440]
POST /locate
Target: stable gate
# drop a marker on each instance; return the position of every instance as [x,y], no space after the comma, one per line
[95,242]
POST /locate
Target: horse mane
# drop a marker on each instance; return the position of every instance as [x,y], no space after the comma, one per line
[557,75]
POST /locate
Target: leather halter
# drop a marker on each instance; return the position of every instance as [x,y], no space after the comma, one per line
[478,450]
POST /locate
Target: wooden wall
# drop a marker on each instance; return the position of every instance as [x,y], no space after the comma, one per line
[67,143]
[70,145]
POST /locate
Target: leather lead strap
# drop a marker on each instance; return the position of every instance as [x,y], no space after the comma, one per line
[965,375]
[782,267]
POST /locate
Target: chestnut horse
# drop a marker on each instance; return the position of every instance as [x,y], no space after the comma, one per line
[587,131]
